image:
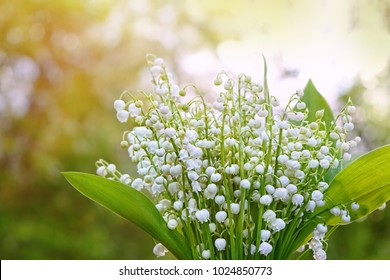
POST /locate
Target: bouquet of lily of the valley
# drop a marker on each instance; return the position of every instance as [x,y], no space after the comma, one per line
[240,178]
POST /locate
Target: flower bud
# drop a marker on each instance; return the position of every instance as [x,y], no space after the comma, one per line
[311,205]
[137,184]
[178,205]
[317,195]
[347,156]
[320,114]
[321,228]
[192,175]
[301,105]
[219,199]
[355,206]
[170,132]
[101,171]
[206,254]
[319,254]
[218,81]
[210,170]
[216,177]
[313,163]
[172,224]
[245,184]
[348,127]
[212,227]
[346,218]
[322,186]
[351,109]
[122,116]
[270,189]
[291,188]
[335,211]
[125,179]
[301,249]
[259,169]
[253,249]
[324,163]
[119,105]
[235,208]
[265,234]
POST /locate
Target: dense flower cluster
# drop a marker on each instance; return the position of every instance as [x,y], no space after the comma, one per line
[238,176]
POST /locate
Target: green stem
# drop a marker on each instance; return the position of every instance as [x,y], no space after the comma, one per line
[209,239]
[227,192]
[240,225]
[259,226]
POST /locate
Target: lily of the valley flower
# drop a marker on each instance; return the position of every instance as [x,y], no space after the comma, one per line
[234,176]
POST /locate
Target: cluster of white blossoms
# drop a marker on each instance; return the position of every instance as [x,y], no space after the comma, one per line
[235,177]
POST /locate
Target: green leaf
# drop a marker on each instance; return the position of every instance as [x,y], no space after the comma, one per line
[315,102]
[131,205]
[365,181]
[332,172]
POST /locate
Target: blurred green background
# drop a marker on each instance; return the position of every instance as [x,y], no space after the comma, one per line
[63,63]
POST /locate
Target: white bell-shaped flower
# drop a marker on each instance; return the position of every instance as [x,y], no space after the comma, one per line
[122,116]
[277,225]
[220,244]
[159,250]
[172,224]
[265,248]
[119,105]
[269,216]
[219,199]
[265,234]
[221,216]
[206,254]
[266,199]
[297,199]
[202,215]
[235,208]
[317,195]
[245,184]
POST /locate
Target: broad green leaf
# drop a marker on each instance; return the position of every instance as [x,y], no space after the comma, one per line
[365,181]
[131,205]
[315,102]
[332,172]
